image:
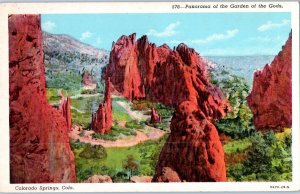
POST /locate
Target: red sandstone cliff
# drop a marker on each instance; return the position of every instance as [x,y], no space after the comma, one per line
[102,119]
[178,78]
[139,69]
[271,97]
[39,143]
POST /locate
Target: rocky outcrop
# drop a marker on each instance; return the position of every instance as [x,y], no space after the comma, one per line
[177,78]
[193,149]
[271,97]
[102,118]
[87,80]
[99,179]
[65,109]
[39,143]
[141,179]
[155,118]
[167,175]
[139,69]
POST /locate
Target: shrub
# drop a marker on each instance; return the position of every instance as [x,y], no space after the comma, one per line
[94,152]
[116,133]
[134,124]
[76,144]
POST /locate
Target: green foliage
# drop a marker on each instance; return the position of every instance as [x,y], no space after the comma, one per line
[165,112]
[88,91]
[119,113]
[237,146]
[141,105]
[67,80]
[116,133]
[53,97]
[146,155]
[131,165]
[81,134]
[268,159]
[76,144]
[82,109]
[134,124]
[238,123]
[100,87]
[93,151]
[163,125]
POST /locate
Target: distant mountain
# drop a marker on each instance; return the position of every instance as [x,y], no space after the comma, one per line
[64,56]
[243,66]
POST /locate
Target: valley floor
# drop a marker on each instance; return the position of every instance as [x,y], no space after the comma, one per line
[149,133]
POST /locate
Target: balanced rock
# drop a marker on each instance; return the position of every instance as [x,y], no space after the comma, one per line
[193,149]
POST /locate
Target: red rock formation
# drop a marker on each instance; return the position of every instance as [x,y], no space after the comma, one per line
[65,108]
[139,69]
[99,179]
[167,175]
[155,118]
[193,149]
[102,119]
[39,143]
[271,97]
[87,80]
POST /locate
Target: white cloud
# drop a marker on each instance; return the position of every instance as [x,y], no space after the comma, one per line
[85,35]
[212,38]
[168,31]
[216,37]
[48,25]
[270,25]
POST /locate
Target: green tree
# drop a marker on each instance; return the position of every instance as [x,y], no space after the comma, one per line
[238,123]
[131,165]
[269,158]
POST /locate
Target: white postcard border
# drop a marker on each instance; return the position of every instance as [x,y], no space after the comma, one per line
[143,7]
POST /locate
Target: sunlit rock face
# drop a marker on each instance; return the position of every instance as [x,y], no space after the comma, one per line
[102,118]
[39,143]
[271,97]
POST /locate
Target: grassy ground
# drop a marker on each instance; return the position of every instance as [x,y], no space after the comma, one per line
[146,155]
[119,113]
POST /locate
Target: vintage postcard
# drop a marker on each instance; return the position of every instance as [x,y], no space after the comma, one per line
[149,96]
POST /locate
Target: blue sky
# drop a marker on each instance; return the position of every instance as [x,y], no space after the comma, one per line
[211,34]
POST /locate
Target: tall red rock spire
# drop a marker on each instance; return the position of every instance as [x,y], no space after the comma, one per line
[65,108]
[271,97]
[39,143]
[102,118]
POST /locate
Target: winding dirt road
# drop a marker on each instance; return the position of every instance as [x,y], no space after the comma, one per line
[141,136]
